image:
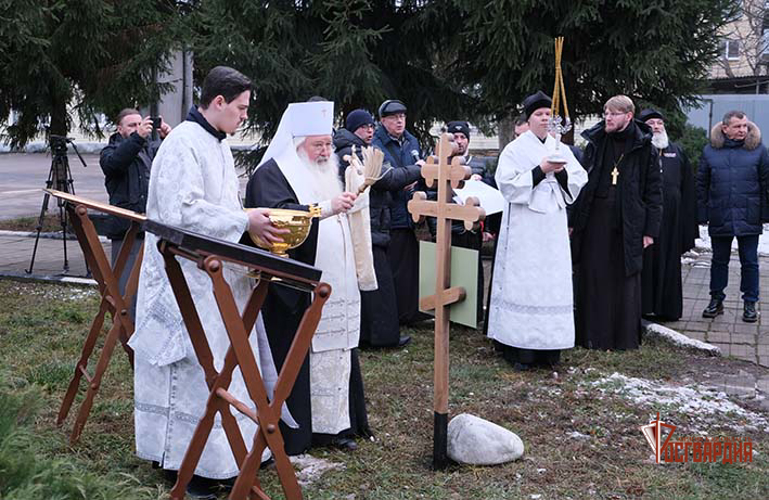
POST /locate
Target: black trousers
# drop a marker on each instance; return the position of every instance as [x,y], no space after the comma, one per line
[403,254]
[378,325]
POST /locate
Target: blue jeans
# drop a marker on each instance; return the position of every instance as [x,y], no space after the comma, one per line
[719,270]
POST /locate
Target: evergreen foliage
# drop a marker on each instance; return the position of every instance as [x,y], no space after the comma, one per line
[59,57]
[653,50]
[26,475]
[356,53]
[452,59]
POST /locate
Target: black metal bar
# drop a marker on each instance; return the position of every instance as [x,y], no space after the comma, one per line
[440,441]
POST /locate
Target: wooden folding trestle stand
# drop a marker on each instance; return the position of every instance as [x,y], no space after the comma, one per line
[209,254]
[112,301]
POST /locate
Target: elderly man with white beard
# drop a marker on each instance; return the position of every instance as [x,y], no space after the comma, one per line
[661,285]
[299,170]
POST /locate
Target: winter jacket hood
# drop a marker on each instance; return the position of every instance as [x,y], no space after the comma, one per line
[718,140]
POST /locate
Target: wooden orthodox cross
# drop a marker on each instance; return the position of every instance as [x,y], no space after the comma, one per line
[448,175]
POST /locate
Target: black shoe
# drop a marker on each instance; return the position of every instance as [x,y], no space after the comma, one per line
[521,367]
[404,340]
[715,308]
[203,488]
[345,444]
[749,314]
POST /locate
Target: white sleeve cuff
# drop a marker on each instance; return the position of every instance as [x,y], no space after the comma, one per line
[325,209]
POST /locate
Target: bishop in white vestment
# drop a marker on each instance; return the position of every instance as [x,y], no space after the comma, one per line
[193,186]
[299,170]
[531,313]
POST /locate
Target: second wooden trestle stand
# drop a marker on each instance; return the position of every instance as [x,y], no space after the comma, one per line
[112,300]
[209,254]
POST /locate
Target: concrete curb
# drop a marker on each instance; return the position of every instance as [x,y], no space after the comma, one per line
[55,279]
[53,236]
[678,339]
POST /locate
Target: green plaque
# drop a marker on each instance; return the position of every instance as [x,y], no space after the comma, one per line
[464,273]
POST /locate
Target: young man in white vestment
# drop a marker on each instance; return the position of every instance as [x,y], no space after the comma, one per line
[531,314]
[194,186]
[298,170]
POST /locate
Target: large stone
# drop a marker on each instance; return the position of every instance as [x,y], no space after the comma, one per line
[473,440]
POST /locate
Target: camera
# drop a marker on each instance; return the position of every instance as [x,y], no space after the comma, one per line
[58,144]
[156,122]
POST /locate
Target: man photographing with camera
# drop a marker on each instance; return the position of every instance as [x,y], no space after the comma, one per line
[126,163]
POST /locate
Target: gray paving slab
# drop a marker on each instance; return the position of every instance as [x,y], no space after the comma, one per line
[747,341]
[23,175]
[16,253]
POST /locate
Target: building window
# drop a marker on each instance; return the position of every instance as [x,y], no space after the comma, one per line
[763,44]
[730,49]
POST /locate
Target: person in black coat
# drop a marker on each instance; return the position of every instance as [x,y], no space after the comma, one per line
[661,284]
[402,156]
[126,163]
[615,217]
[378,324]
[732,184]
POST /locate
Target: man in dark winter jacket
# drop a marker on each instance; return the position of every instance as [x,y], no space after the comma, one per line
[732,184]
[616,216]
[126,163]
[379,326]
[403,156]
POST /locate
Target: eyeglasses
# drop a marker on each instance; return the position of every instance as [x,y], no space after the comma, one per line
[609,113]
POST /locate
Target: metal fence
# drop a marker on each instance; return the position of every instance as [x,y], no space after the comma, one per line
[712,108]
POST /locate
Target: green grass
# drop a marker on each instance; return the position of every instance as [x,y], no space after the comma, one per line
[42,328]
[51,222]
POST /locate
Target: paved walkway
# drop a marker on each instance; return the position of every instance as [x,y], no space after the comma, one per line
[16,253]
[748,341]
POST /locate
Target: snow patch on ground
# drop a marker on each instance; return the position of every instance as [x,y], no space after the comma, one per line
[57,293]
[678,339]
[702,244]
[706,406]
[312,468]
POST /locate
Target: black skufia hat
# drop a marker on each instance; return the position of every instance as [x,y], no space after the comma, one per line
[458,126]
[536,101]
[650,113]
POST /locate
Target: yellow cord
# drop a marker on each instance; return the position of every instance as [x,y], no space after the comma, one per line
[559,88]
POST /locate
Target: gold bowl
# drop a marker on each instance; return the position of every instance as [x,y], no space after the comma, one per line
[297,222]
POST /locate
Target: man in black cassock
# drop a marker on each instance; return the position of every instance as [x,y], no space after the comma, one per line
[661,284]
[327,400]
[616,216]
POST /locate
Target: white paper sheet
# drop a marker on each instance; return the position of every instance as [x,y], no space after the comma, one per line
[490,199]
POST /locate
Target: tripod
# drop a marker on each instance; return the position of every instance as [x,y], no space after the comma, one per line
[59,178]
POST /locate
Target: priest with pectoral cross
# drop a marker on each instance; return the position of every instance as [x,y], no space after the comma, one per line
[616,216]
